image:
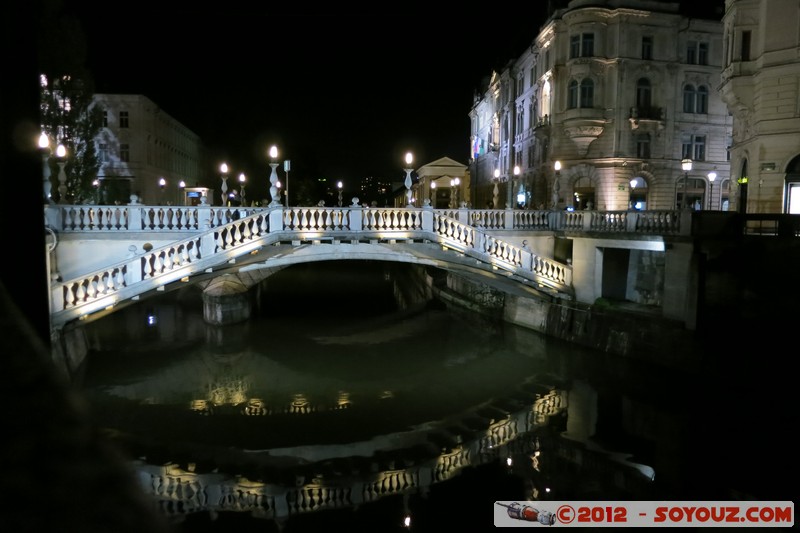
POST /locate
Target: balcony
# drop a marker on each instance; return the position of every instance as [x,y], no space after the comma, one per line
[647,119]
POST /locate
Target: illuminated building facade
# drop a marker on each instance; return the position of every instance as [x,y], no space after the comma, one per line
[761,86]
[138,145]
[619,93]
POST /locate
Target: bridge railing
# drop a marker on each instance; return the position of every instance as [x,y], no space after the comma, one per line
[148,218]
[219,243]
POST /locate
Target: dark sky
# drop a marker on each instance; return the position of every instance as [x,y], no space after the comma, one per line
[342,96]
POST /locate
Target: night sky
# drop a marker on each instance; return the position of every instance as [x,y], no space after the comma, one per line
[342,94]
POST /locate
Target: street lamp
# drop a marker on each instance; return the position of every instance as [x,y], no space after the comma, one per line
[686,165]
[556,184]
[181,192]
[408,170]
[61,160]
[223,168]
[339,185]
[242,179]
[287,166]
[273,178]
[510,192]
[162,183]
[44,147]
[711,177]
[454,183]
[433,194]
[633,188]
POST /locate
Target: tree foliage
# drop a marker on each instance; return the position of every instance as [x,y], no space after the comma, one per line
[66,112]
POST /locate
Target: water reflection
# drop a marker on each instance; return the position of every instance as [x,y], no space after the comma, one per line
[312,408]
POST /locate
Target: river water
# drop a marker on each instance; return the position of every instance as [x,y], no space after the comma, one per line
[333,406]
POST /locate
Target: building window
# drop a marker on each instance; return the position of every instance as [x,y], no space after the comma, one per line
[587,93]
[702,53]
[580,94]
[688,99]
[691,52]
[701,102]
[643,146]
[581,45]
[124,153]
[643,95]
[102,152]
[695,100]
[746,38]
[693,147]
[647,47]
[105,119]
[123,119]
[697,53]
[572,94]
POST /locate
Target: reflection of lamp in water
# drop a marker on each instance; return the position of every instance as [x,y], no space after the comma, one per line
[343,401]
[300,404]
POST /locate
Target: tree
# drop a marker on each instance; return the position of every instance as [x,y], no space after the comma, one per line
[66,112]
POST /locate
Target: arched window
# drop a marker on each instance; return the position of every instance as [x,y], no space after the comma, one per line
[583,194]
[701,104]
[638,194]
[572,94]
[688,99]
[587,93]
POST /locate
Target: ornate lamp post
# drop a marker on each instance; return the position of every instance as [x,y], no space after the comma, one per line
[162,183]
[287,166]
[408,170]
[339,186]
[242,179]
[454,184]
[44,147]
[273,178]
[223,168]
[686,165]
[556,184]
[633,188]
[181,194]
[711,177]
[433,194]
[61,160]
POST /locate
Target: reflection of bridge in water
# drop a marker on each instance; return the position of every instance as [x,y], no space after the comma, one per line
[340,482]
[499,430]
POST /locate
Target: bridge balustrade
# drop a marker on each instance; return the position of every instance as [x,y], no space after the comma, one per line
[138,218]
[207,237]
